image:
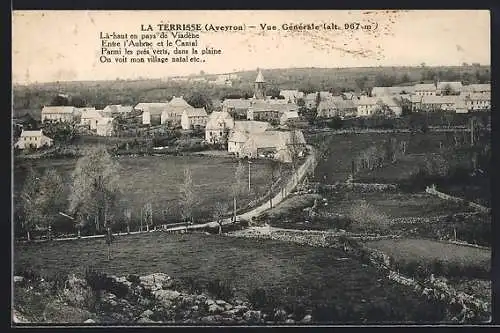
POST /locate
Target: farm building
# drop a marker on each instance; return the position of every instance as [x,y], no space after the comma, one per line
[194,118]
[289,116]
[237,108]
[58,113]
[275,144]
[390,91]
[478,101]
[173,111]
[241,131]
[218,125]
[336,106]
[33,139]
[90,118]
[151,111]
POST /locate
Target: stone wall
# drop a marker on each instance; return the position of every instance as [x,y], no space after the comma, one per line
[432,190]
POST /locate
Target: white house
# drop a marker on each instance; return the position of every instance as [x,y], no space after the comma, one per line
[425,89]
[291,95]
[90,117]
[366,106]
[478,101]
[289,116]
[33,139]
[218,125]
[194,117]
[105,126]
[173,111]
[58,113]
[483,88]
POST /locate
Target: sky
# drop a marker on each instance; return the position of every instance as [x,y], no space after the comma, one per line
[52,46]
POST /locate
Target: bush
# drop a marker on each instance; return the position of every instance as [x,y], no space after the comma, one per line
[101,282]
[222,289]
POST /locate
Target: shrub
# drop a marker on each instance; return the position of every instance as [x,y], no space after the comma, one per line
[193,286]
[29,274]
[99,282]
[366,218]
[263,300]
[222,289]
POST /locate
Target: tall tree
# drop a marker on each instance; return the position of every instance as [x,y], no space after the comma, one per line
[237,186]
[219,211]
[94,191]
[187,196]
[31,203]
[53,198]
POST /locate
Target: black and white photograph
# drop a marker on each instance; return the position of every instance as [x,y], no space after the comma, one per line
[251,168]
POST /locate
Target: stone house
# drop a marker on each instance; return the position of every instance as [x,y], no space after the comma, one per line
[218,126]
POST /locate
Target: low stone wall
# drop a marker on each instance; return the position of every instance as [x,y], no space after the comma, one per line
[470,308]
[432,190]
[362,187]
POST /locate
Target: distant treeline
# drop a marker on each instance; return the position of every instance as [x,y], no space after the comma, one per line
[336,80]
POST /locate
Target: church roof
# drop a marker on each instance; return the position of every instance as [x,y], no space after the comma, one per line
[260,78]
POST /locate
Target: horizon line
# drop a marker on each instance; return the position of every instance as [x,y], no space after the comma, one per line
[15,82]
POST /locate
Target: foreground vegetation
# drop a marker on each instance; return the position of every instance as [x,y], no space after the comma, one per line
[333,287]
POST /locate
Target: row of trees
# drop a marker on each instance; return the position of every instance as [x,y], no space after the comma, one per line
[377,156]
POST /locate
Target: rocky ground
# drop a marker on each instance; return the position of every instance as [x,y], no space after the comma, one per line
[132,300]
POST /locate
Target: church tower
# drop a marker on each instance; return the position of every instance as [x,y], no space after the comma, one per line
[260,89]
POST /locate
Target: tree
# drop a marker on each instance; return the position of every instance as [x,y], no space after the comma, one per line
[59,100]
[276,172]
[219,211]
[94,191]
[147,215]
[127,214]
[198,100]
[237,186]
[300,102]
[317,100]
[53,198]
[295,148]
[187,196]
[367,218]
[31,203]
[447,90]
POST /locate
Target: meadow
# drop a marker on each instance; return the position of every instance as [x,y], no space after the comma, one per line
[156,179]
[337,287]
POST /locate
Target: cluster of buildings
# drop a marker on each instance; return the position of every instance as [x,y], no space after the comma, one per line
[441,96]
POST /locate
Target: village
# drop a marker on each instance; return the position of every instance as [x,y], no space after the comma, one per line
[263,126]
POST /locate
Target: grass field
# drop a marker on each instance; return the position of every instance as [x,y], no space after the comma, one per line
[335,165]
[357,291]
[156,179]
[395,205]
[427,250]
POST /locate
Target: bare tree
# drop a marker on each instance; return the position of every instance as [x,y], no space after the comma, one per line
[53,199]
[127,214]
[32,206]
[94,191]
[237,186]
[187,196]
[148,215]
[295,148]
[219,211]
